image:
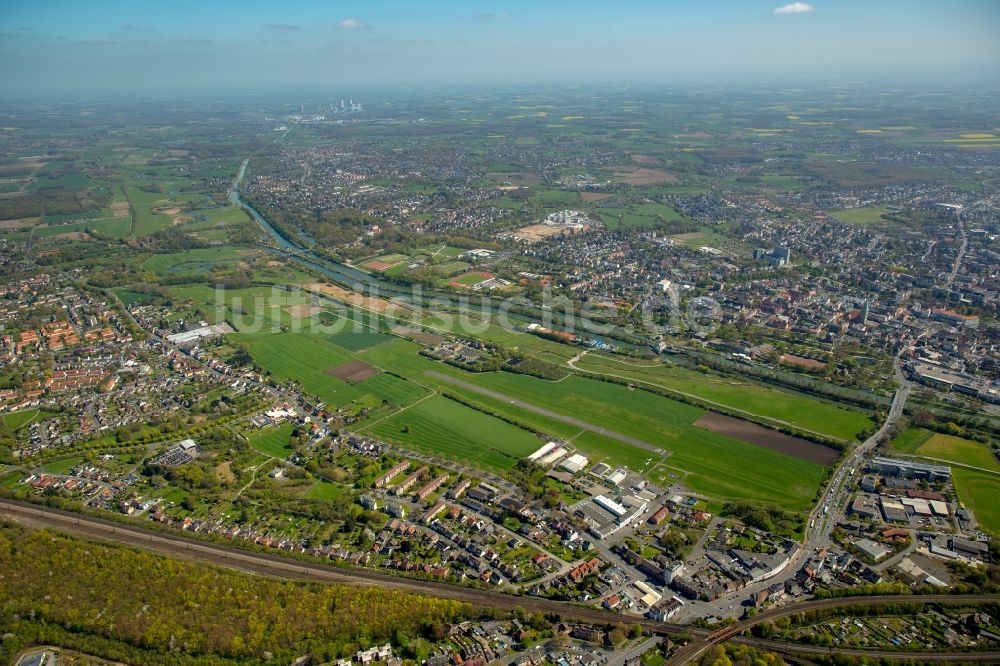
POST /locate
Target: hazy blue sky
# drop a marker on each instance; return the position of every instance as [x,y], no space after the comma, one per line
[48,45]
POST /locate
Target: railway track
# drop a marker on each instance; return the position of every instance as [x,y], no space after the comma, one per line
[274,565]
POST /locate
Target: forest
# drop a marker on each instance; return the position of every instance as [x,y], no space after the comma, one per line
[136,606]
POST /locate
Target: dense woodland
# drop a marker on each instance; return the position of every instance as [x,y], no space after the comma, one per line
[146,604]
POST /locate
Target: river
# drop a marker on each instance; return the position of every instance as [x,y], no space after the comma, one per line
[366,283]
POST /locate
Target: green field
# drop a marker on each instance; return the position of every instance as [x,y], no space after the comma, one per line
[704,238]
[23,418]
[979,492]
[200,260]
[440,251]
[130,296]
[443,426]
[921,442]
[910,439]
[861,215]
[557,198]
[63,465]
[715,465]
[645,215]
[116,227]
[306,357]
[246,308]
[470,279]
[793,408]
[210,223]
[144,204]
[324,490]
[353,340]
[272,441]
[450,268]
[668,213]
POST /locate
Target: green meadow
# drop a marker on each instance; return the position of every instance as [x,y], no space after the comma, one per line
[793,408]
[716,465]
[272,441]
[445,427]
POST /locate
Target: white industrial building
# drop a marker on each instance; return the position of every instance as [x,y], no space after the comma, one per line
[574,463]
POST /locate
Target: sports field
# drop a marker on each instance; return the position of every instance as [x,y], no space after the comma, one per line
[793,408]
[443,426]
[469,280]
[272,441]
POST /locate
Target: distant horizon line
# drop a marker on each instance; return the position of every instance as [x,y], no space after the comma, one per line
[985,80]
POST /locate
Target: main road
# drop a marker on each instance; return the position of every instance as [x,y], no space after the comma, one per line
[821,520]
[180,546]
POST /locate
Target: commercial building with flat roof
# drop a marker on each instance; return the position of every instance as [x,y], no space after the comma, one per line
[909,469]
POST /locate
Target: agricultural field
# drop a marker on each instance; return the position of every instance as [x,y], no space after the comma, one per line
[211,224]
[445,427]
[795,409]
[309,359]
[712,464]
[107,227]
[357,340]
[158,210]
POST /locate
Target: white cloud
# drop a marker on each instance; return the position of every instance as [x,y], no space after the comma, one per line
[353,24]
[794,8]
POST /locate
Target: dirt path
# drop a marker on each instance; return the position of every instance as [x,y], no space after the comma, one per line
[632,441]
[370,425]
[253,477]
